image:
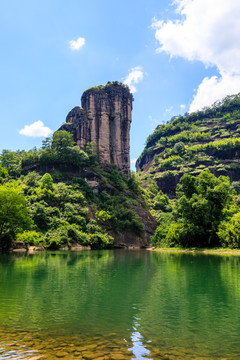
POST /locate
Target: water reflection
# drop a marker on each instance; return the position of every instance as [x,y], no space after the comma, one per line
[15,350]
[138,349]
[142,304]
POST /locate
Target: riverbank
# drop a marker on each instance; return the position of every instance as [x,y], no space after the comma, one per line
[217,251]
[214,251]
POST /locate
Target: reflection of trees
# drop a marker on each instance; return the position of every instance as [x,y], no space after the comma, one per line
[75,291]
[176,300]
[190,302]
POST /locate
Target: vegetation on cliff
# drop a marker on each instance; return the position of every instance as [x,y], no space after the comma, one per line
[191,143]
[194,160]
[57,205]
[109,83]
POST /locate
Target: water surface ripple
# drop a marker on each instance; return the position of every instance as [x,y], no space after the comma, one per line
[119,304]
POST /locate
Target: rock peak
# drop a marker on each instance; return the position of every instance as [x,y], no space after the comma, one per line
[104,119]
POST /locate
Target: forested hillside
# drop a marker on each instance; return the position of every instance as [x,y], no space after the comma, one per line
[60,196]
[193,142]
[191,174]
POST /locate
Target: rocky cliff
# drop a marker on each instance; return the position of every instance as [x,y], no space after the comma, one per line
[104,118]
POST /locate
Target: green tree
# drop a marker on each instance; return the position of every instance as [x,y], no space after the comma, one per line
[14,215]
[201,205]
[3,173]
[62,139]
[32,179]
[229,232]
[199,209]
[161,202]
[47,182]
[12,161]
[152,188]
[46,143]
[133,184]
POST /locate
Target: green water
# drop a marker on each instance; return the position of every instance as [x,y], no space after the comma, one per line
[119,305]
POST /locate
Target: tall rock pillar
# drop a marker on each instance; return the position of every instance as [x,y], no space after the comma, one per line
[96,104]
[105,119]
[120,121]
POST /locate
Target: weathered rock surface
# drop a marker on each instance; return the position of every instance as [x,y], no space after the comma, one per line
[104,119]
[130,240]
[32,249]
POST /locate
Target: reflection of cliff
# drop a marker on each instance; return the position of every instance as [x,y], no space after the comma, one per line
[104,119]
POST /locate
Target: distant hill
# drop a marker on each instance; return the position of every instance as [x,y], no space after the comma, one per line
[188,144]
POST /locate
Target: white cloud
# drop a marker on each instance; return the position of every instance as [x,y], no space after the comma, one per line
[213,89]
[77,44]
[133,161]
[133,78]
[36,129]
[207,31]
[182,106]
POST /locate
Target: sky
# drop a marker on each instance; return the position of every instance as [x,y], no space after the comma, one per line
[176,57]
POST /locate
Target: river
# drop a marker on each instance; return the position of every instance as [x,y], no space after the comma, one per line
[119,304]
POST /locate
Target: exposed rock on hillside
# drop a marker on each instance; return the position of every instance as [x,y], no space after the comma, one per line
[191,143]
[104,119]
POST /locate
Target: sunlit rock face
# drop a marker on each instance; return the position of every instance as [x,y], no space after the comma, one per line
[104,119]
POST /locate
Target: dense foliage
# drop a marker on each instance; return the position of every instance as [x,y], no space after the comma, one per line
[208,139]
[14,214]
[192,159]
[55,206]
[205,213]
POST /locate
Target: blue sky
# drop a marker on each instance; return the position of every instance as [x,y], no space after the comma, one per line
[179,56]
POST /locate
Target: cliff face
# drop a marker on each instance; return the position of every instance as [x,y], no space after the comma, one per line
[104,119]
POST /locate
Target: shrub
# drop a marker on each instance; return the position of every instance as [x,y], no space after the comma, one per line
[100,241]
[116,179]
[40,215]
[30,237]
[56,238]
[159,238]
[77,235]
[103,216]
[229,232]
[133,184]
[236,186]
[179,147]
[161,202]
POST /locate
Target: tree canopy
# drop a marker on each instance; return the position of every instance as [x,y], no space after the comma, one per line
[14,214]
[198,212]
